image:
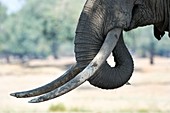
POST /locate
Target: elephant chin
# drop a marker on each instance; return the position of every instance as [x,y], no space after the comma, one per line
[104,52]
[108,77]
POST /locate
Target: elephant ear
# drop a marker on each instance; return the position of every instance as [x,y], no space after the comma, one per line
[158,34]
[160,28]
[169,17]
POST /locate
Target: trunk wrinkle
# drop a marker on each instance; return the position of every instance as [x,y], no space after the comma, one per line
[109,77]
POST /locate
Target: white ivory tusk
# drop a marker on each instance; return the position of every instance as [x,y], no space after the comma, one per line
[104,52]
[68,75]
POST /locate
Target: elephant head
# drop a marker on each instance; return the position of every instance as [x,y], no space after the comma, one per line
[98,34]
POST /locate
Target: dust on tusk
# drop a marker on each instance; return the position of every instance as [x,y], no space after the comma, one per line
[104,52]
[68,75]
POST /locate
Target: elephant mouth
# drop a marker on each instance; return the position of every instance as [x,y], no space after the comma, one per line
[75,76]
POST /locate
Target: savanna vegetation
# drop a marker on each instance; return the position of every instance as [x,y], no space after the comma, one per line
[45,28]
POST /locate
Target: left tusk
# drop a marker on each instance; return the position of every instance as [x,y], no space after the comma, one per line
[107,47]
[68,75]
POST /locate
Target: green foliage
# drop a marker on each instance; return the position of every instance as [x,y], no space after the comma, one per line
[58,107]
[3,14]
[62,108]
[44,27]
[142,42]
[40,27]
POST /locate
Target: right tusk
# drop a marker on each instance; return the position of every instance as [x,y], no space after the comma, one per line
[68,75]
[107,47]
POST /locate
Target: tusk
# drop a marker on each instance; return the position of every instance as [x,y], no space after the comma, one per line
[107,47]
[68,75]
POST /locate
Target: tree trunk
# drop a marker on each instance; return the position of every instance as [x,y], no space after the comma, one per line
[54,49]
[152,52]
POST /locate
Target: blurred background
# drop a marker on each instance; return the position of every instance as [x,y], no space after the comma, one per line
[36,46]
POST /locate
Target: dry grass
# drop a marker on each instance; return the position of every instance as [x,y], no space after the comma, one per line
[36,67]
[149,92]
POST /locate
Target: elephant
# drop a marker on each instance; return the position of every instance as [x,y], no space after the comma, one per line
[99,33]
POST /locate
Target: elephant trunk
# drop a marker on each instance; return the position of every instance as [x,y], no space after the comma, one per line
[88,42]
[96,37]
[108,77]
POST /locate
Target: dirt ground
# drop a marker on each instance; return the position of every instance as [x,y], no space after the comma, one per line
[149,92]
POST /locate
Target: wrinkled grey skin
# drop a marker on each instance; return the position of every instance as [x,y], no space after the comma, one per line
[97,20]
[100,16]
